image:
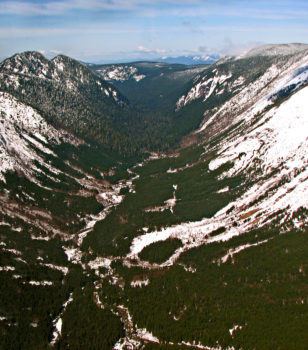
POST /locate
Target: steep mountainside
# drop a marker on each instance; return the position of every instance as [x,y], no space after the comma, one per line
[66,93]
[201,247]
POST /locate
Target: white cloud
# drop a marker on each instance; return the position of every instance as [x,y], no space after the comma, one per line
[230,11]
[8,32]
[151,51]
[231,49]
[61,7]
[50,53]
[144,49]
[151,8]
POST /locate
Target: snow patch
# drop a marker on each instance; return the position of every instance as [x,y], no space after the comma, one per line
[169,204]
[139,283]
[40,283]
[139,77]
[234,251]
[12,251]
[234,328]
[7,268]
[73,254]
[57,322]
[62,269]
[225,189]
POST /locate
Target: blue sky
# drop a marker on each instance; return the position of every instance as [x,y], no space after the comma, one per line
[115,30]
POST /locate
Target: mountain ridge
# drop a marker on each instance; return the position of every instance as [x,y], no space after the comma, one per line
[275,50]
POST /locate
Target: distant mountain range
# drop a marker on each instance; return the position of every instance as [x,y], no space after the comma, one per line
[191,59]
[184,59]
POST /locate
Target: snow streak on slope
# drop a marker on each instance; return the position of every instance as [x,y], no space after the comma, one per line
[18,122]
[57,322]
[204,88]
[278,141]
[22,131]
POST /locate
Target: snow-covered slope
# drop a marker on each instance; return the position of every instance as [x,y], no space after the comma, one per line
[23,131]
[274,152]
[120,73]
[265,139]
[206,87]
[279,80]
[242,82]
